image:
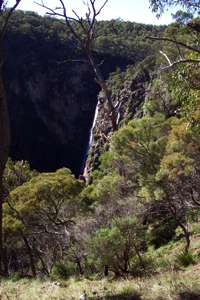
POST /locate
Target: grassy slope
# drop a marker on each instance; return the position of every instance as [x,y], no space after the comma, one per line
[171,281]
[171,285]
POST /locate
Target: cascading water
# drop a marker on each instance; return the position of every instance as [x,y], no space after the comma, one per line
[85,172]
[93,124]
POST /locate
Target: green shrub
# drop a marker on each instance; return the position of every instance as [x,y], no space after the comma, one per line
[63,270]
[162,232]
[139,268]
[163,263]
[186,258]
[117,245]
[16,276]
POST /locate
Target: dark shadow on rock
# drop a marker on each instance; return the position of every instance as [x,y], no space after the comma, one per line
[189,296]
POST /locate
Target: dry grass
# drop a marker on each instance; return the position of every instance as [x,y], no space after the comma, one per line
[169,284]
[172,285]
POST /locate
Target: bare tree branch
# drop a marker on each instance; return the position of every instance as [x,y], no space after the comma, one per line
[178,62]
[166,57]
[182,61]
[86,37]
[192,48]
[7,18]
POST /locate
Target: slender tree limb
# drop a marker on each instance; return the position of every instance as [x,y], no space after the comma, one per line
[196,202]
[192,48]
[86,39]
[55,12]
[178,62]
[182,61]
[166,57]
[7,18]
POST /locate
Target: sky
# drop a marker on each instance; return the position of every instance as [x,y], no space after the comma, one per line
[127,10]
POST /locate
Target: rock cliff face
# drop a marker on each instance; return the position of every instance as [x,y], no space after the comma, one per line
[51,107]
[52,98]
[128,102]
[51,101]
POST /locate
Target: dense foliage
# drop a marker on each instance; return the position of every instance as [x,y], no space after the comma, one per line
[146,189]
[115,38]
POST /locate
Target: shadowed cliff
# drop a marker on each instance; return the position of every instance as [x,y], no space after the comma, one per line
[51,97]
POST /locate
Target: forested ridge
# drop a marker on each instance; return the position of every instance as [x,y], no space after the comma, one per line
[133,214]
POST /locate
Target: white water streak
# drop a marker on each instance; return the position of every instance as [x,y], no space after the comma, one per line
[85,173]
[94,123]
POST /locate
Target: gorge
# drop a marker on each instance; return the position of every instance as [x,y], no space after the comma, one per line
[51,91]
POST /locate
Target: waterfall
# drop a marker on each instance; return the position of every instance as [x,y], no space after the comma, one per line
[85,172]
[93,124]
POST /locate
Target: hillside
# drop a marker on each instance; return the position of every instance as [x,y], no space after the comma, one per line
[100,196]
[171,278]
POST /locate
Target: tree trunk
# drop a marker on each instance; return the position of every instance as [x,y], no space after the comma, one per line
[80,268]
[30,254]
[139,256]
[4,117]
[45,268]
[103,85]
[4,149]
[186,236]
[5,260]
[106,269]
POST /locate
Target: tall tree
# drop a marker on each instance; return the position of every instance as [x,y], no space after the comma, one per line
[83,30]
[5,14]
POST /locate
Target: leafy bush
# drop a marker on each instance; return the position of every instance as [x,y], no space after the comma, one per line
[186,258]
[114,247]
[141,269]
[162,232]
[16,276]
[163,263]
[62,270]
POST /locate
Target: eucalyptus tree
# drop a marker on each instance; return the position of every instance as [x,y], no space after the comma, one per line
[191,44]
[5,14]
[38,219]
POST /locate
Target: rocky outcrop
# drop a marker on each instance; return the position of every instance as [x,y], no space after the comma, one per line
[128,102]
